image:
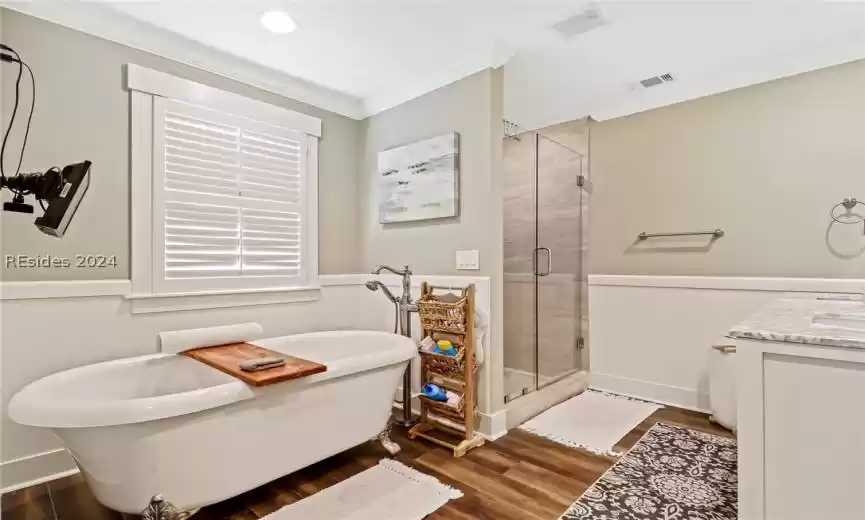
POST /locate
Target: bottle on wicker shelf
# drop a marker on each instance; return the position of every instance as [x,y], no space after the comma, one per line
[427,344]
[447,365]
[434,392]
[444,347]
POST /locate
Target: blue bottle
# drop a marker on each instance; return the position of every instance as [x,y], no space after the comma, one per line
[435,392]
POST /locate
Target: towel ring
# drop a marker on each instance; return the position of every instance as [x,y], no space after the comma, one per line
[848,205]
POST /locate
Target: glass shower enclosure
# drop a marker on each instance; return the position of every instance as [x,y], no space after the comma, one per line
[544,217]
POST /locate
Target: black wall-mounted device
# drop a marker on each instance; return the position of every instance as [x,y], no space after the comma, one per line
[62,190]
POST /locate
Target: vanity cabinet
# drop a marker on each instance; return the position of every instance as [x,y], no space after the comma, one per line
[801,430]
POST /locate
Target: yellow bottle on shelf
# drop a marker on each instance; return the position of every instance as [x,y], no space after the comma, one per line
[445,347]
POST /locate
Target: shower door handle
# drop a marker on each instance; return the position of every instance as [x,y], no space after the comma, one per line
[549,254]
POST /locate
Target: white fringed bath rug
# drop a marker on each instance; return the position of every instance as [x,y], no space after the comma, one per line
[389,491]
[594,421]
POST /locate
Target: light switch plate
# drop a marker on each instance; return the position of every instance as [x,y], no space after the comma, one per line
[468,260]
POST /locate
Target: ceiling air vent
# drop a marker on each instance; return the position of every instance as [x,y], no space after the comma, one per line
[656,80]
[591,18]
[651,82]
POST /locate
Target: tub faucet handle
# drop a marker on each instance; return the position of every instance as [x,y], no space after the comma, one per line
[161,509]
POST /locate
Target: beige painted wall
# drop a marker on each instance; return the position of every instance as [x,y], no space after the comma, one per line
[472,107]
[82,113]
[765,163]
[465,107]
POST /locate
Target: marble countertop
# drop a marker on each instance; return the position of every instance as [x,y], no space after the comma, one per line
[790,319]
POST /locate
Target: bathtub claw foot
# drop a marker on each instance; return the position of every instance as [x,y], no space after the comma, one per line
[391,447]
[161,509]
[388,443]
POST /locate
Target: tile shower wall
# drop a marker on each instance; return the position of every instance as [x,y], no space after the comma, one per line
[557,323]
[560,221]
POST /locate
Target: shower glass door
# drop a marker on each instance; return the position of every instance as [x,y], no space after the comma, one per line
[544,289]
[558,264]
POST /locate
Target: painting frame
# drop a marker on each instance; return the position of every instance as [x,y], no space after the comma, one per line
[419,181]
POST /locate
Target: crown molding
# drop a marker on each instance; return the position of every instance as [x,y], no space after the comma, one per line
[108,24]
[405,91]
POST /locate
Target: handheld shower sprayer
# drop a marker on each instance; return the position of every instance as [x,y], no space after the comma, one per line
[374,285]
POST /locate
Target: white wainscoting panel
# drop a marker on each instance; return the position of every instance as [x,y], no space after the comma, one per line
[67,326]
[650,336]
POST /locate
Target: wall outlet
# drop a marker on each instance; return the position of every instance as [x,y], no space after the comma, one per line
[468,260]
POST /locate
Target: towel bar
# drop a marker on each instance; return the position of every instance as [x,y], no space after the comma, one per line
[717,233]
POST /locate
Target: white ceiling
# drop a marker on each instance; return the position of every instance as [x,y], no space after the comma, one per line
[358,57]
[708,47]
[382,51]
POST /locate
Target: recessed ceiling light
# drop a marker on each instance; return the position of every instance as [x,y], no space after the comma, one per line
[278,22]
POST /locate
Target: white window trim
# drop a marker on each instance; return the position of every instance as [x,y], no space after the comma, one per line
[149,81]
[145,84]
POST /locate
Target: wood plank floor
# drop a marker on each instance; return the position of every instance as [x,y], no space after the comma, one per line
[518,477]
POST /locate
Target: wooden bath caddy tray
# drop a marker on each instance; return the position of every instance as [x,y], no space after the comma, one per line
[226,358]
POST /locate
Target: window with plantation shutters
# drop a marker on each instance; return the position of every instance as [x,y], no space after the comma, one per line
[231,204]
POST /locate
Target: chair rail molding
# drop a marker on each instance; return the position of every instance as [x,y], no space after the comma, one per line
[31,290]
[63,289]
[844,285]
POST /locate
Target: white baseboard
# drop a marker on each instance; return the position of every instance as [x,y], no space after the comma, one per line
[659,393]
[35,469]
[494,426]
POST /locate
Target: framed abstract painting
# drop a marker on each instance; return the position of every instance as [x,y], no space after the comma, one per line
[419,181]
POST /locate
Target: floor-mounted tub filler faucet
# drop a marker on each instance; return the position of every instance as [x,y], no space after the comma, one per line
[403,307]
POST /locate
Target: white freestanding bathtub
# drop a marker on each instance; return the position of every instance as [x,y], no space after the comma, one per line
[170,425]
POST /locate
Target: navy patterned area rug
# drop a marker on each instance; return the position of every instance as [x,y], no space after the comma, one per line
[672,473]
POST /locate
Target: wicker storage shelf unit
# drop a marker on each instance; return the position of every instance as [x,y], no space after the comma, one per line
[451,317]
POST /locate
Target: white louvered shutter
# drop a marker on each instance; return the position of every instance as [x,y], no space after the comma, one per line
[229,199]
